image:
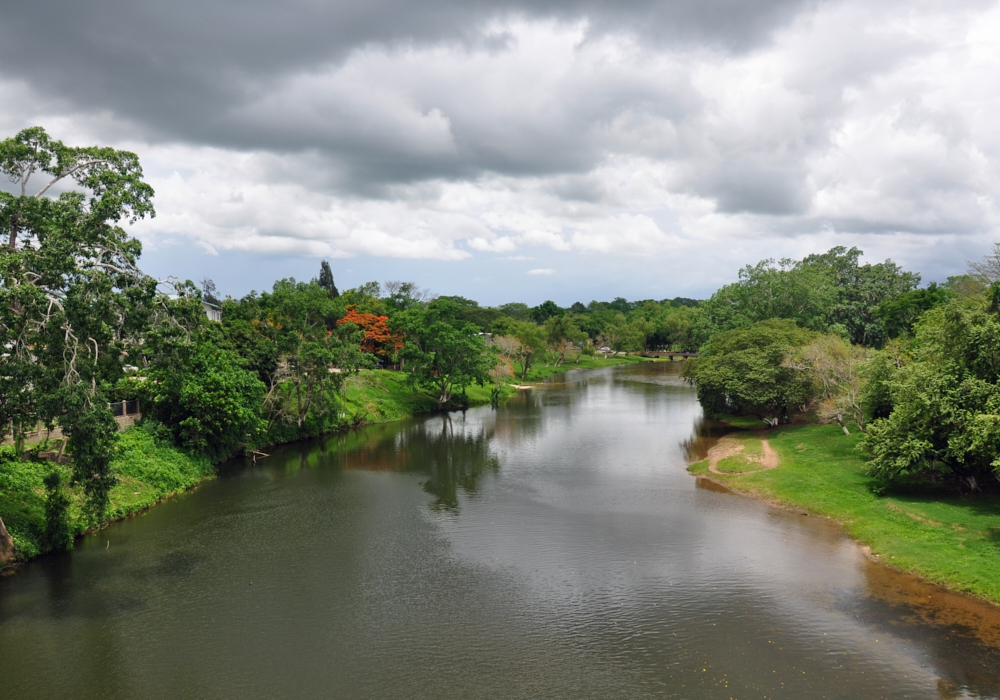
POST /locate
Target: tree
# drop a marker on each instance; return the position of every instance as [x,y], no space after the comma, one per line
[564,337]
[72,300]
[987,270]
[828,292]
[378,338]
[326,280]
[532,339]
[861,292]
[209,292]
[306,354]
[835,366]
[743,371]
[400,296]
[443,355]
[945,402]
[900,313]
[208,402]
[544,311]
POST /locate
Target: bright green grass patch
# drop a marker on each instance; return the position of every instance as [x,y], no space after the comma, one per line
[380,396]
[148,471]
[747,460]
[944,538]
[545,370]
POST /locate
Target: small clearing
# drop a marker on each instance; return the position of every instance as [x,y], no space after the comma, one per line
[734,451]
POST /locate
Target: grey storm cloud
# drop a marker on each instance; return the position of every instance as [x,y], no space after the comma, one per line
[212,72]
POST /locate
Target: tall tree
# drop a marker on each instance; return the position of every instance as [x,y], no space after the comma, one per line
[72,299]
[443,355]
[744,371]
[326,280]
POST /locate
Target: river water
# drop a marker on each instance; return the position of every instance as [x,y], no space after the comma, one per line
[554,548]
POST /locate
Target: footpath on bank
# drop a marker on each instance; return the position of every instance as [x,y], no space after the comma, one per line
[150,469]
[939,535]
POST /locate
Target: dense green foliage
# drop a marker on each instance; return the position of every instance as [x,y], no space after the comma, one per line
[743,371]
[444,355]
[72,301]
[829,292]
[945,399]
[43,511]
[823,338]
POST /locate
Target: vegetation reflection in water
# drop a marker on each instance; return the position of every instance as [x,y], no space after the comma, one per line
[452,457]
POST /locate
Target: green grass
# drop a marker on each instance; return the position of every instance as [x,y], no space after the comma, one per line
[544,370]
[380,396]
[745,461]
[944,538]
[148,470]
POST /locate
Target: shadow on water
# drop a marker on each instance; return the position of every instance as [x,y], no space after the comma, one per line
[704,437]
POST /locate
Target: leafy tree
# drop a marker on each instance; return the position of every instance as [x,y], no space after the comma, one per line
[824,292]
[443,355]
[208,402]
[836,369]
[532,339]
[72,301]
[945,402]
[861,290]
[470,311]
[768,290]
[744,372]
[879,372]
[564,337]
[294,330]
[326,280]
[377,337]
[544,311]
[400,296]
[516,310]
[366,298]
[898,314]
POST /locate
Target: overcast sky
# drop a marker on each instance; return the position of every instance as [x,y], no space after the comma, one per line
[528,149]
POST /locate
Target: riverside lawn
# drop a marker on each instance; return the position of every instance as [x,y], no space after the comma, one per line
[946,539]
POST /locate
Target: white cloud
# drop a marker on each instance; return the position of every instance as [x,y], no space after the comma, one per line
[541,271]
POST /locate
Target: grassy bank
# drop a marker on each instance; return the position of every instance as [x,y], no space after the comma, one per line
[148,470]
[544,370]
[946,539]
[383,395]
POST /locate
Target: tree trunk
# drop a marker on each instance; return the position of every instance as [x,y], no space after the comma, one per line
[6,546]
[298,399]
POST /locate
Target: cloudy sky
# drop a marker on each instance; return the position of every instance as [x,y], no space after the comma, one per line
[528,149]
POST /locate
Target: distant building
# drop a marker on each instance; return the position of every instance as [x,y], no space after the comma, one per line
[213,311]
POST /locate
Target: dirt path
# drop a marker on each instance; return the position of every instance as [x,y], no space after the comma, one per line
[727,447]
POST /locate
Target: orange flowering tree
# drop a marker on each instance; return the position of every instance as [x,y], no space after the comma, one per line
[379,339]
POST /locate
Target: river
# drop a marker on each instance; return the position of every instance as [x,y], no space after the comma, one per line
[553,548]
